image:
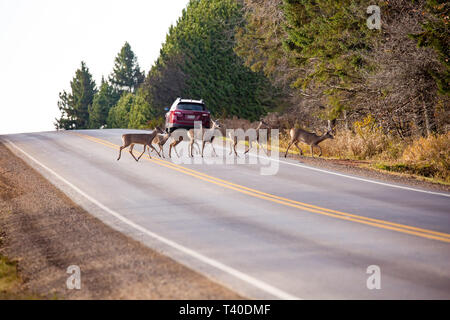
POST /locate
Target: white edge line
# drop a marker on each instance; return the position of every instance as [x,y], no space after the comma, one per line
[216,264]
[343,175]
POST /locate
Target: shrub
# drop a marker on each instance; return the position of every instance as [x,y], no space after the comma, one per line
[433,151]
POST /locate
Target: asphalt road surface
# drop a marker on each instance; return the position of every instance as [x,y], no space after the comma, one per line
[300,233]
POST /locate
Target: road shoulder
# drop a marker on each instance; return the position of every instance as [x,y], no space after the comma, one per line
[44,232]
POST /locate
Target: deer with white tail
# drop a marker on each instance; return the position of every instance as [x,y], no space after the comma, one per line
[130,139]
[310,138]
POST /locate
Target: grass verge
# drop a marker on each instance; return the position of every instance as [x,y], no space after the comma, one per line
[11,283]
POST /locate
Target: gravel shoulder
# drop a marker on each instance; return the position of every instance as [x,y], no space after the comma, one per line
[44,232]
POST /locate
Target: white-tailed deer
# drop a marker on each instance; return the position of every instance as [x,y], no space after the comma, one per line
[173,144]
[309,138]
[161,140]
[206,136]
[130,139]
[234,139]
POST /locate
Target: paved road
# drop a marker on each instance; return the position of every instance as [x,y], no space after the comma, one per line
[301,233]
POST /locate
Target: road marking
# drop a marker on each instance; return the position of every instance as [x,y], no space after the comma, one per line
[214,263]
[424,233]
[343,175]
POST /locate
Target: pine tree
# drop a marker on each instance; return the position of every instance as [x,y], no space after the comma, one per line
[436,35]
[141,110]
[119,115]
[74,106]
[104,99]
[126,75]
[198,61]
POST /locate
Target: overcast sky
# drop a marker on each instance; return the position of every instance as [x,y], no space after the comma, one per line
[43,42]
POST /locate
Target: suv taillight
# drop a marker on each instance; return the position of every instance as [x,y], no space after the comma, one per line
[175,114]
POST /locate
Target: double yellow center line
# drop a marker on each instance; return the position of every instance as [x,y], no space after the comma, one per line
[424,233]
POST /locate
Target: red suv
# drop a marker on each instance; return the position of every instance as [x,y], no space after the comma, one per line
[185,112]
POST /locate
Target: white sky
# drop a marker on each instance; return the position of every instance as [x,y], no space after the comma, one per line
[43,42]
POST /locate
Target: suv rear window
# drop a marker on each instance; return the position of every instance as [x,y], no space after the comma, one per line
[191,106]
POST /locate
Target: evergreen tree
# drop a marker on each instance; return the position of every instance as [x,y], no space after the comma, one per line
[126,75]
[436,35]
[119,115]
[74,106]
[104,99]
[198,61]
[141,110]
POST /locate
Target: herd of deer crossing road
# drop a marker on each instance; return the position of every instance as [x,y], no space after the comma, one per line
[160,137]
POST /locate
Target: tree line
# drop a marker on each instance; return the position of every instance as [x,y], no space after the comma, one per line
[304,60]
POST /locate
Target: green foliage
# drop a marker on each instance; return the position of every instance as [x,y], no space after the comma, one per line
[198,61]
[104,99]
[119,115]
[126,75]
[74,106]
[141,111]
[436,35]
[327,38]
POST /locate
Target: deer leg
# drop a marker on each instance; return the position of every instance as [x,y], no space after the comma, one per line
[175,149]
[131,152]
[203,147]
[235,142]
[299,149]
[120,152]
[320,154]
[290,144]
[161,150]
[212,146]
[145,147]
[234,148]
[198,147]
[312,151]
[173,145]
[249,147]
[214,150]
[231,147]
[153,148]
[191,146]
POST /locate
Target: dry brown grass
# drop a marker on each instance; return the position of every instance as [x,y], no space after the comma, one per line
[428,157]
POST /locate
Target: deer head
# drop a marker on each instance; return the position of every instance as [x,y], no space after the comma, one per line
[215,123]
[159,130]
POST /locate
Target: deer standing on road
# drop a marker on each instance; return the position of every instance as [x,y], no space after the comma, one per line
[161,140]
[234,139]
[309,138]
[207,136]
[130,139]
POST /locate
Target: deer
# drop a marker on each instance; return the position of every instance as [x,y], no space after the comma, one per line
[309,138]
[161,140]
[234,139]
[173,145]
[130,139]
[207,136]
